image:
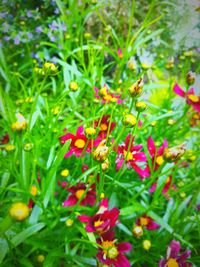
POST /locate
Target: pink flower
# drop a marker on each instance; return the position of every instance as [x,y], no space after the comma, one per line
[147,222]
[103,220]
[105,96]
[77,194]
[112,254]
[78,142]
[132,157]
[191,98]
[174,258]
[119,53]
[103,124]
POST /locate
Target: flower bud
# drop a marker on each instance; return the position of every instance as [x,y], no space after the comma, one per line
[64,173]
[132,64]
[137,231]
[49,66]
[129,120]
[174,153]
[28,146]
[33,191]
[69,222]
[19,211]
[90,132]
[73,86]
[140,106]
[190,78]
[146,244]
[112,253]
[171,121]
[101,152]
[40,258]
[10,147]
[136,89]
[105,165]
[20,124]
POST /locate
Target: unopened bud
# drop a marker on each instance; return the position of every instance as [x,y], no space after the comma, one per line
[140,106]
[136,89]
[73,86]
[174,153]
[105,165]
[137,231]
[129,120]
[146,244]
[101,152]
[190,78]
[19,211]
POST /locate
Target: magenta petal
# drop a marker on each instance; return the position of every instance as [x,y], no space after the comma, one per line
[153,225]
[196,107]
[190,91]
[89,228]
[121,261]
[185,255]
[151,146]
[162,263]
[162,148]
[104,203]
[80,130]
[68,154]
[124,247]
[174,249]
[119,163]
[84,218]
[177,90]
[140,156]
[143,173]
[71,201]
[152,188]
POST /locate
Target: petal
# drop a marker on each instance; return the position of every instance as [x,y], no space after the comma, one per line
[151,146]
[152,188]
[124,247]
[177,90]
[71,201]
[122,261]
[89,228]
[162,148]
[143,173]
[153,225]
[66,137]
[174,249]
[196,107]
[80,130]
[140,156]
[84,218]
[162,263]
[119,163]
[68,154]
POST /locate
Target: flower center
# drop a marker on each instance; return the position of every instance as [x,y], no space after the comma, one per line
[79,193]
[98,223]
[168,180]
[80,143]
[159,160]
[143,221]
[128,155]
[110,250]
[172,263]
[193,98]
[103,91]
[103,127]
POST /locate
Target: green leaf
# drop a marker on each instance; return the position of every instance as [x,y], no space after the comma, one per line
[131,209]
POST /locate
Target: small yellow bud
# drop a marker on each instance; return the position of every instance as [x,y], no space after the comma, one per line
[146,244]
[137,231]
[112,252]
[55,110]
[28,146]
[153,123]
[19,211]
[171,122]
[90,131]
[129,120]
[190,78]
[182,194]
[9,147]
[87,35]
[136,89]
[105,165]
[49,66]
[140,106]
[64,173]
[102,195]
[40,258]
[69,222]
[33,191]
[20,124]
[73,86]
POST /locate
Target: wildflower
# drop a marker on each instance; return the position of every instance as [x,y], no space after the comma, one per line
[190,78]
[140,106]
[28,146]
[135,89]
[49,66]
[132,156]
[105,165]
[5,139]
[103,220]
[129,120]
[73,86]
[174,258]
[10,147]
[79,142]
[147,222]
[64,173]
[137,231]
[174,153]
[90,132]
[132,64]
[105,127]
[81,191]
[20,124]
[191,98]
[119,53]
[112,253]
[167,186]
[19,211]
[146,244]
[101,152]
[105,96]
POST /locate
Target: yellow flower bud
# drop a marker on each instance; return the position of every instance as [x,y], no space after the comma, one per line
[101,152]
[90,131]
[105,165]
[49,66]
[40,258]
[9,147]
[28,146]
[69,222]
[171,121]
[146,244]
[137,231]
[190,78]
[64,173]
[136,89]
[129,120]
[140,106]
[174,153]
[19,211]
[73,86]
[33,191]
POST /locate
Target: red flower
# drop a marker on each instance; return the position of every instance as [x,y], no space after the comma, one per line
[103,124]
[132,157]
[190,97]
[5,139]
[103,220]
[105,96]
[112,253]
[78,142]
[147,222]
[77,193]
[174,258]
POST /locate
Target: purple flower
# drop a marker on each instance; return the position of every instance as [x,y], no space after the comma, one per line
[53,26]
[38,29]
[29,35]
[17,40]
[174,258]
[29,14]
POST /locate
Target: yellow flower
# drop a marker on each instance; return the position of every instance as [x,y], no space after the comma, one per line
[64,173]
[129,120]
[90,131]
[73,86]
[19,211]
[20,124]
[49,66]
[10,147]
[146,244]
[136,88]
[140,106]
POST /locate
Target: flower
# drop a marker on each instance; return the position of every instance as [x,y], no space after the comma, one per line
[166,186]
[105,96]
[111,253]
[137,231]
[146,244]
[174,153]
[19,211]
[103,220]
[119,53]
[105,126]
[81,192]
[129,120]
[131,157]
[101,152]
[174,258]
[147,222]
[73,86]
[5,139]
[140,106]
[191,98]
[64,173]
[20,124]
[79,143]
[136,88]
